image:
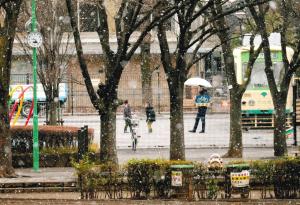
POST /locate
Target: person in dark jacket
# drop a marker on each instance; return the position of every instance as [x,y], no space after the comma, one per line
[127,116]
[202,100]
[150,114]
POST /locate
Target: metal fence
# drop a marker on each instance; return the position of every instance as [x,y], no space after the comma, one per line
[78,100]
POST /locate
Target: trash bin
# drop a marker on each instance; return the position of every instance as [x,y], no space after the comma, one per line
[237,178]
[182,181]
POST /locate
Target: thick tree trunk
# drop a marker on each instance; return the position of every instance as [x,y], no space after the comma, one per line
[177,148]
[108,149]
[146,73]
[235,145]
[6,169]
[280,147]
[53,112]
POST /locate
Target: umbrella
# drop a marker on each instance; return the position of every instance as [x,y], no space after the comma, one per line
[196,81]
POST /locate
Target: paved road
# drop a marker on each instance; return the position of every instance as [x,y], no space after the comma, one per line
[217,132]
[195,154]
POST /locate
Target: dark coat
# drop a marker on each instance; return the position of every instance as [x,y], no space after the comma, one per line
[150,114]
[127,112]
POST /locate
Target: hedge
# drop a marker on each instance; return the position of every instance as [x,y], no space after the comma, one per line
[146,175]
[51,157]
[49,137]
[151,179]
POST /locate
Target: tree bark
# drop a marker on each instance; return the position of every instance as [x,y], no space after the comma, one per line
[177,148]
[7,35]
[108,149]
[280,147]
[235,144]
[6,168]
[53,112]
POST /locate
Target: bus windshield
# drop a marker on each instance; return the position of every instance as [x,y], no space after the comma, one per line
[258,76]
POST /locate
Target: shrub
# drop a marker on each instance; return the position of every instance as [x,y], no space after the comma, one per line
[262,175]
[286,178]
[145,175]
[152,178]
[142,174]
[49,136]
[95,177]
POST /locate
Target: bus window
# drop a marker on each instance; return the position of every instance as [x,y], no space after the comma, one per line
[258,76]
[278,72]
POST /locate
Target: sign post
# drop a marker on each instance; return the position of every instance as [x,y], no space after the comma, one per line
[34,40]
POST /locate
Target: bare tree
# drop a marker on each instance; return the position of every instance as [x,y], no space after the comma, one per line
[289,16]
[178,63]
[53,55]
[9,15]
[236,90]
[129,18]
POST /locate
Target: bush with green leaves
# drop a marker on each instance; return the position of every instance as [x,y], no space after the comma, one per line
[49,137]
[148,178]
[286,178]
[95,177]
[146,174]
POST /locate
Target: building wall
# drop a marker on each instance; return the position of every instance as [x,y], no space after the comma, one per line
[130,86]
[130,83]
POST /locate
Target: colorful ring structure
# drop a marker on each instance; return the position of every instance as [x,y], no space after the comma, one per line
[21,100]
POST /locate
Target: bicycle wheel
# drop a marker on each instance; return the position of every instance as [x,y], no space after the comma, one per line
[134,143]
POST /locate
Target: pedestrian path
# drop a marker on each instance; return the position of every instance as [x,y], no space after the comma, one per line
[216,135]
[45,179]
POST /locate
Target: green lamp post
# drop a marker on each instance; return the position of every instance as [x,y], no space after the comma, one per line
[34,40]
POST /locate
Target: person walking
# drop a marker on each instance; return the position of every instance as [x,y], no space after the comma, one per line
[202,100]
[150,114]
[127,116]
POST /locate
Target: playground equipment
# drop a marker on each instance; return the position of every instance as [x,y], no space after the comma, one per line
[21,99]
[19,103]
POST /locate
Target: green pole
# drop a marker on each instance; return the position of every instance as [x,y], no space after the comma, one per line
[35,115]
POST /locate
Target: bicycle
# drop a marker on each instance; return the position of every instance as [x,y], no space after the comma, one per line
[134,133]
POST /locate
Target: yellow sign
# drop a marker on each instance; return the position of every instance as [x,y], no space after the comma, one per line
[240,179]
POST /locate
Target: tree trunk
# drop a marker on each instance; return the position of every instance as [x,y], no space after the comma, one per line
[146,73]
[177,149]
[108,149]
[53,112]
[6,168]
[235,145]
[280,147]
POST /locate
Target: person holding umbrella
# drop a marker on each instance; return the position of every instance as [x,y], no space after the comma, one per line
[202,101]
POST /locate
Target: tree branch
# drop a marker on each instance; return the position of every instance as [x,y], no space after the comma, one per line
[93,97]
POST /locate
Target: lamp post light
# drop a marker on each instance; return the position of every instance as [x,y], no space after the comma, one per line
[35,117]
[34,39]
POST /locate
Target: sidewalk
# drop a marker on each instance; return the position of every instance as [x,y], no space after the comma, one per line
[57,199]
[65,177]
